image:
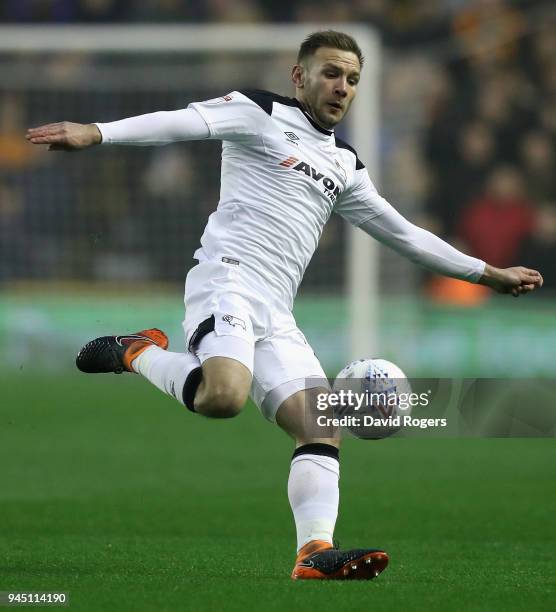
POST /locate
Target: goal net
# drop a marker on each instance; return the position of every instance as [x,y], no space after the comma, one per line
[102,240]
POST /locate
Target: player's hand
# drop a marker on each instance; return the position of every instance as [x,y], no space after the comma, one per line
[516,281]
[65,136]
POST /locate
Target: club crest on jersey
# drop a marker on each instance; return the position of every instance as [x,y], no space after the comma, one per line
[234,321]
[331,190]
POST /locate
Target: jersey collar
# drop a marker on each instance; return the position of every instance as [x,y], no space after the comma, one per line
[297,103]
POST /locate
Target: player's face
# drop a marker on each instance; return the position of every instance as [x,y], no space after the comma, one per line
[327,84]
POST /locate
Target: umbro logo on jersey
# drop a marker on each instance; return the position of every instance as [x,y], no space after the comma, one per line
[291,135]
[330,187]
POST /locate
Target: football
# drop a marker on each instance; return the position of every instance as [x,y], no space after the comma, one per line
[375,394]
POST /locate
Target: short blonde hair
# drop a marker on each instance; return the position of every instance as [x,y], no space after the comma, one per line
[331,39]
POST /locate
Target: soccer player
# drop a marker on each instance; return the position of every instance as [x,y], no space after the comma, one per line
[283,173]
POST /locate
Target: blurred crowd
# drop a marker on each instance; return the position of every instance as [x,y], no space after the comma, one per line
[490,137]
[482,147]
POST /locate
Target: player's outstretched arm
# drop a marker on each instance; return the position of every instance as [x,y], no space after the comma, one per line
[430,251]
[364,207]
[65,136]
[158,128]
[517,281]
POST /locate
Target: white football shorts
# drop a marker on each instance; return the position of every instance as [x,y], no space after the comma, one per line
[226,317]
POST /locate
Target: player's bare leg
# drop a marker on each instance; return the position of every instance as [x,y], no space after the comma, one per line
[296,418]
[314,497]
[223,389]
[217,389]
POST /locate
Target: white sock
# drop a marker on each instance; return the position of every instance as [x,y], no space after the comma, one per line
[168,371]
[314,497]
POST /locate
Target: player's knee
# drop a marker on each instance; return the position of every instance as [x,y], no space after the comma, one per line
[221,402]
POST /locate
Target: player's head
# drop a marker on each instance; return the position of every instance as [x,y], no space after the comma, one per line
[326,75]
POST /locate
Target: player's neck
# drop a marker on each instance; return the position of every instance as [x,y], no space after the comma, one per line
[308,111]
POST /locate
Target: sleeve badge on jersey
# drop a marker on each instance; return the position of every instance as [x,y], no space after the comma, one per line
[216,101]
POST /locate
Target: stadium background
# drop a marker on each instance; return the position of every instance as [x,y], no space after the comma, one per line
[101,242]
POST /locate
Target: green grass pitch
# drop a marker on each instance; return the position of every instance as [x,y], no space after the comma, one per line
[111,492]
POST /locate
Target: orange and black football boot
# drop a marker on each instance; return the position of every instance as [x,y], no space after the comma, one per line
[319,560]
[115,353]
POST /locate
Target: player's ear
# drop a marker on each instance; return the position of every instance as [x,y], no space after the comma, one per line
[298,76]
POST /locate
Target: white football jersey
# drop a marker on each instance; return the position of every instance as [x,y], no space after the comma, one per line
[282,176]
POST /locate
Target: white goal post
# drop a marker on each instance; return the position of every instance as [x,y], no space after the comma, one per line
[362,121]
